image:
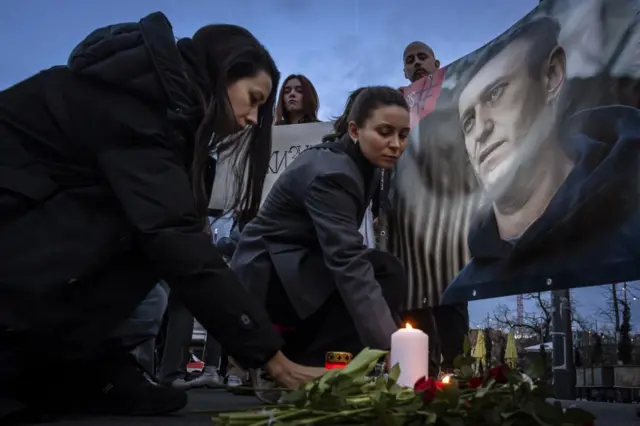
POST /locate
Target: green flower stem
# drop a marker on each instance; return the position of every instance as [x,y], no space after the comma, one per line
[252,389]
[280,417]
[358,400]
[355,398]
[280,407]
[245,416]
[406,395]
[337,415]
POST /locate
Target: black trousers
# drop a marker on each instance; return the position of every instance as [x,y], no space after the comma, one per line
[177,342]
[38,370]
[37,376]
[446,326]
[331,328]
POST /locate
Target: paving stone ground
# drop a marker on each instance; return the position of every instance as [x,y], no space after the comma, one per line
[608,414]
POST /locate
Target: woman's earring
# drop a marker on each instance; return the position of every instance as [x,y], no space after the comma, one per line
[355,141]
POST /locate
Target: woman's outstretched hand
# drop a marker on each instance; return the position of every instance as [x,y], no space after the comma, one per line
[289,374]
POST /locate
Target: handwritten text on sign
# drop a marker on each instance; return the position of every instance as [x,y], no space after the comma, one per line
[287,143]
[280,159]
[423,94]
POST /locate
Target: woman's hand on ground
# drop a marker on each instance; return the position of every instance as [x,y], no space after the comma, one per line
[289,374]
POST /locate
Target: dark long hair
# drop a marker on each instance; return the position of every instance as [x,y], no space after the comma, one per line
[310,101]
[229,53]
[360,105]
[340,123]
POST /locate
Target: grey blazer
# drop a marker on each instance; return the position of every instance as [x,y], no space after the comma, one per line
[307,232]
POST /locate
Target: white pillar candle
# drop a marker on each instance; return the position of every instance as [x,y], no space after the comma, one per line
[410,349]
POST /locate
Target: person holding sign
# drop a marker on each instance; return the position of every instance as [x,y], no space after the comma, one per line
[103,191]
[303,256]
[446,325]
[419,61]
[298,101]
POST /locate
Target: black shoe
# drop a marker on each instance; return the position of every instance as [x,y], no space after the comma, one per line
[37,396]
[129,391]
[113,385]
[14,412]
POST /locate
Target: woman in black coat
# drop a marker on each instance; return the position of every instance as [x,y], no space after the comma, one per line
[303,255]
[105,169]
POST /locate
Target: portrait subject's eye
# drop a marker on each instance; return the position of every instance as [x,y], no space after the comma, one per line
[468,123]
[496,92]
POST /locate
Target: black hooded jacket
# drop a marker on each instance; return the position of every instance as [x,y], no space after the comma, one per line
[96,202]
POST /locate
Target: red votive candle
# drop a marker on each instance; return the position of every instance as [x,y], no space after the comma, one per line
[332,365]
[339,360]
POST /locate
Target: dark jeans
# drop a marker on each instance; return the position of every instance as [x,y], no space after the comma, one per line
[177,342]
[446,326]
[331,328]
[143,326]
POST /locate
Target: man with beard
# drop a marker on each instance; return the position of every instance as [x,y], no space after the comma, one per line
[561,188]
[419,61]
[446,325]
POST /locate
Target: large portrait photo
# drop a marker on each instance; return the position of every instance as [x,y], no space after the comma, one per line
[522,174]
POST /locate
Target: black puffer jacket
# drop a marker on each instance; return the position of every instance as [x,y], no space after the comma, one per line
[96,203]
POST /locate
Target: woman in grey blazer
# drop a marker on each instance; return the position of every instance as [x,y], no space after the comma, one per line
[303,255]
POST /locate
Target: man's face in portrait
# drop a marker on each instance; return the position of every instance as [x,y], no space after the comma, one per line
[500,104]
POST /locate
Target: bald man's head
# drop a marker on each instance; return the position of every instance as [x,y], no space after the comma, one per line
[419,61]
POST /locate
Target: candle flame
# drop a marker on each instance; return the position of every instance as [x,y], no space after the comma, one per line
[408,326]
[446,379]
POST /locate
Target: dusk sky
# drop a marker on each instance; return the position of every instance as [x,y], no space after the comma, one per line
[338,45]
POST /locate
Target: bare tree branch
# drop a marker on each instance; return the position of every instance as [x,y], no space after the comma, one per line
[530,321]
[616,300]
[537,320]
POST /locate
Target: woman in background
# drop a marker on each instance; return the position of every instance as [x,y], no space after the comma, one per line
[298,101]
